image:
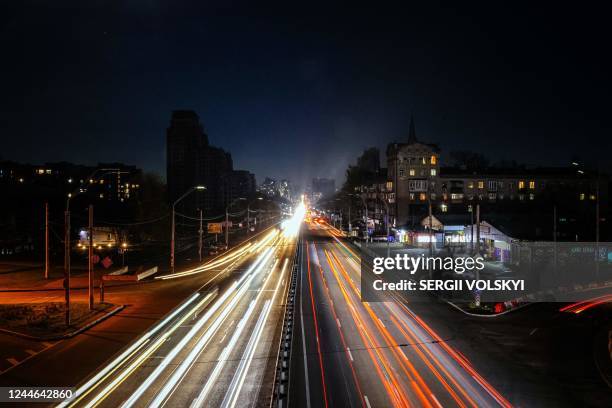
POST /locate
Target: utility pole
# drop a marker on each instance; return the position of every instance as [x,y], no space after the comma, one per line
[430,228]
[597,227]
[67,264]
[477,295]
[555,238]
[367,237]
[350,229]
[47,240]
[471,229]
[90,260]
[200,232]
[172,242]
[227,227]
[477,230]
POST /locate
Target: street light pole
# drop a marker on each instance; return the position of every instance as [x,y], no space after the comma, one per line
[67,262]
[172,244]
[200,232]
[226,227]
[47,240]
[90,260]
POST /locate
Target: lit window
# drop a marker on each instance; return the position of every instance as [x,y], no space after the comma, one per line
[40,171]
[532,185]
[521,184]
[422,196]
[101,195]
[492,196]
[592,197]
[456,196]
[433,172]
[471,184]
[48,171]
[412,196]
[424,160]
[531,196]
[389,185]
[581,196]
[401,172]
[433,160]
[412,172]
[481,184]
[444,207]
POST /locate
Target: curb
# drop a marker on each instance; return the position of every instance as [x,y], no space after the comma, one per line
[67,335]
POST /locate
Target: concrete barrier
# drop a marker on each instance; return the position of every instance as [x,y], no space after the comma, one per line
[147,273]
[130,278]
[119,271]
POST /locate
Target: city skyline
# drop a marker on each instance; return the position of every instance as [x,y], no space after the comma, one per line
[309,96]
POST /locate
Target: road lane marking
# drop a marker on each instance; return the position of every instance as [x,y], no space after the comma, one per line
[349,353]
[307,384]
[436,400]
[365,397]
[338,321]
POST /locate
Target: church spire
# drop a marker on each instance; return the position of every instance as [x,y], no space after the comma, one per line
[411,132]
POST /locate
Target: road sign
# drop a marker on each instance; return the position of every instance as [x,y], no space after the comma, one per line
[215,227]
[107,262]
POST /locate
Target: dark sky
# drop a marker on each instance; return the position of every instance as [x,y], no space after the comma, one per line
[300,92]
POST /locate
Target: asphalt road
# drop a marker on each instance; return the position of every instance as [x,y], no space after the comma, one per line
[402,352]
[218,348]
[372,354]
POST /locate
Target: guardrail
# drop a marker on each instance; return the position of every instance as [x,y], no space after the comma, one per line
[280,392]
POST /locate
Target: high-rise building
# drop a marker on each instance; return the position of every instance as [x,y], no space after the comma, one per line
[192,161]
[185,140]
[241,183]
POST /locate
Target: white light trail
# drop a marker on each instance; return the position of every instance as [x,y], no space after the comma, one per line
[94,381]
[242,284]
[235,387]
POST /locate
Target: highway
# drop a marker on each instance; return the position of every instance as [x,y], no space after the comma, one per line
[218,347]
[378,354]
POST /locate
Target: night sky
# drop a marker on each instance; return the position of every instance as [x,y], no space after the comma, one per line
[300,92]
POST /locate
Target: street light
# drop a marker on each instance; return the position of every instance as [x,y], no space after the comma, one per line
[192,189]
